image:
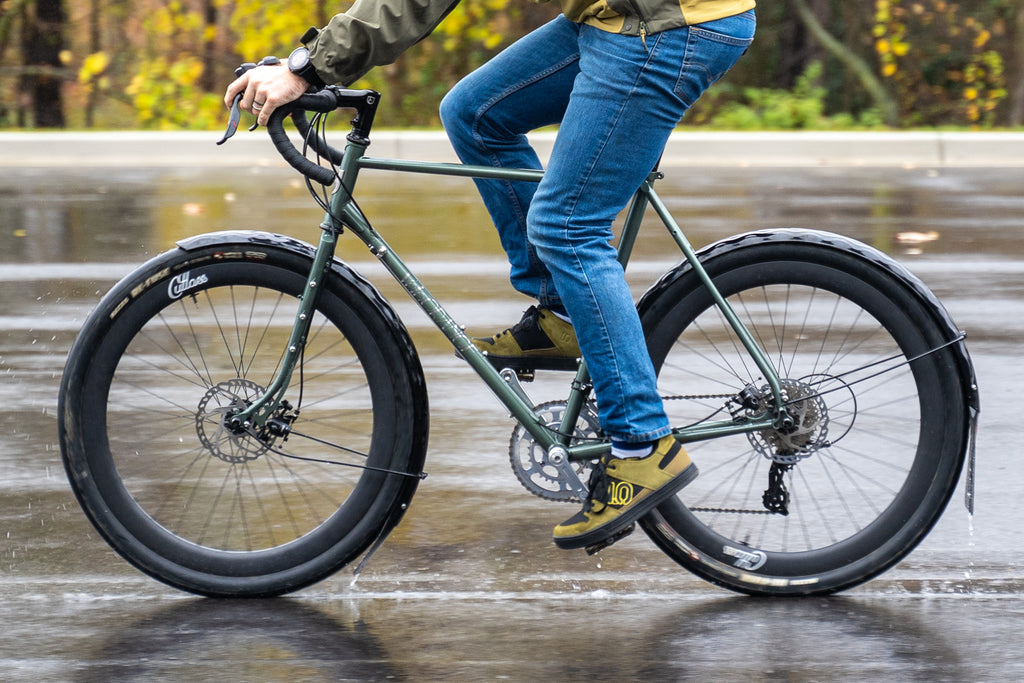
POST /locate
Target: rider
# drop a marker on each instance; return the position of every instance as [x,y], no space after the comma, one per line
[617,75]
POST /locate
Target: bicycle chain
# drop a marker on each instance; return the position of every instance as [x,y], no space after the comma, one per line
[775,498]
[735,511]
[696,397]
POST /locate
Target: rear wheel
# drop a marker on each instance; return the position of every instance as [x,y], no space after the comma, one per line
[182,344]
[879,406]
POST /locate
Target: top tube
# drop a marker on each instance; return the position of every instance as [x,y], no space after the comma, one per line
[450,169]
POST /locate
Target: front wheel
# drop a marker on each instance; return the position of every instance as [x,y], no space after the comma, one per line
[872,381]
[185,342]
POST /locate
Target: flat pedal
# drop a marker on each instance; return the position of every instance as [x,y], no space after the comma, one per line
[614,538]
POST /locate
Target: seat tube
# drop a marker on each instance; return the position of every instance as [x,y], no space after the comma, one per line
[757,354]
[634,215]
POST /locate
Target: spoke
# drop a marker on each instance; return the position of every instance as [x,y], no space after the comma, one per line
[816,508]
[204,372]
[250,324]
[235,363]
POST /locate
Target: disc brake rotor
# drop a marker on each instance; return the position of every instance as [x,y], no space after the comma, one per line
[809,433]
[220,400]
[530,460]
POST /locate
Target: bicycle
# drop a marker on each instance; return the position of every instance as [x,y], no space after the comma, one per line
[245,415]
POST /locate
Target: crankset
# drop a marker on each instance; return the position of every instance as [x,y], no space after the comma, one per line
[531,462]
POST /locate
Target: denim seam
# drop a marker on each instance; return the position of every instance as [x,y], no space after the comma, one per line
[720,37]
[478,115]
[692,38]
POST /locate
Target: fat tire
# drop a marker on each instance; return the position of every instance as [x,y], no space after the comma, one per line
[774,286]
[168,343]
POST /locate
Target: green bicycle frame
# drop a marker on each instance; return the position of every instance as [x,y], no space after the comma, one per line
[344,213]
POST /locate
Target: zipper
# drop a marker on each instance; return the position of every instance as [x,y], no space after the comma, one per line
[642,25]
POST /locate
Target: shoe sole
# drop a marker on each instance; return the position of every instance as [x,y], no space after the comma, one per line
[601,534]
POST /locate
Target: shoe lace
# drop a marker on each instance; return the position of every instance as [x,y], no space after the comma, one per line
[598,487]
[528,320]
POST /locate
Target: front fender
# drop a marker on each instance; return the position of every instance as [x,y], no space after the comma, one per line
[242,238]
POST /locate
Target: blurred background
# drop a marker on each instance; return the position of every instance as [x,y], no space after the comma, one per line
[816,64]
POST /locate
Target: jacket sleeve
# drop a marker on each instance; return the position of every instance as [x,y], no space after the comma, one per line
[372,33]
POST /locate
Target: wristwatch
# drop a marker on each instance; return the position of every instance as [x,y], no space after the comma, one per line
[299,64]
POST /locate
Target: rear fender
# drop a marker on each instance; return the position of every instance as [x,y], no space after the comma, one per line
[877,259]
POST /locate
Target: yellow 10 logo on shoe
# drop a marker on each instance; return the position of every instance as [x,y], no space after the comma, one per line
[620,493]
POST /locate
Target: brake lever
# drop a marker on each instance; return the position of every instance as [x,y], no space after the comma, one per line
[236,113]
[236,116]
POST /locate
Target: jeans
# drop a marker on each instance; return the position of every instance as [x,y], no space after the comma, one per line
[617,100]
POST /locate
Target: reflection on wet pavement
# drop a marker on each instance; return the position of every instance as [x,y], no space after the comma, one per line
[469,586]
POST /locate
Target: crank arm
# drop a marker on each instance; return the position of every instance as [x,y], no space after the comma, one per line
[559,457]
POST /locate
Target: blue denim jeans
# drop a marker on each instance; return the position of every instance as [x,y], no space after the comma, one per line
[617,100]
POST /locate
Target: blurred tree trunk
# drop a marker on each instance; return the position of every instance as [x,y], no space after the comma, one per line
[210,81]
[1015,77]
[804,49]
[851,61]
[792,43]
[95,45]
[42,43]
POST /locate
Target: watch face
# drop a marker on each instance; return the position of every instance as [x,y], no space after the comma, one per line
[298,59]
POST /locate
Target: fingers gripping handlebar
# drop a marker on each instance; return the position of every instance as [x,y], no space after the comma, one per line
[324,101]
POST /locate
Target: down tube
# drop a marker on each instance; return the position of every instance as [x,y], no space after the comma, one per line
[521,410]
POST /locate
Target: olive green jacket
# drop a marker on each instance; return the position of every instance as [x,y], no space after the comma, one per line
[375,32]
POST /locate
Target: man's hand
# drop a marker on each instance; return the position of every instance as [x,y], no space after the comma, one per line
[265,89]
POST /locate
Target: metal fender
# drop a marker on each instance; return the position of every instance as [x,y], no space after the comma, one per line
[874,257]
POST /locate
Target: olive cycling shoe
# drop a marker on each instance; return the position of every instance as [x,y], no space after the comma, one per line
[622,490]
[540,341]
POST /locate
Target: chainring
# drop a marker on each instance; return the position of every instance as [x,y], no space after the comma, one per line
[530,460]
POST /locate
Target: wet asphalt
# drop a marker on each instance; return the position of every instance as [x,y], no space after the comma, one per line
[469,587]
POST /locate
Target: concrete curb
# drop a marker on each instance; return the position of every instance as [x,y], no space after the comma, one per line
[686,148]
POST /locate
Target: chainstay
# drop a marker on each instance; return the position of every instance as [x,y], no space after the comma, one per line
[729,511]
